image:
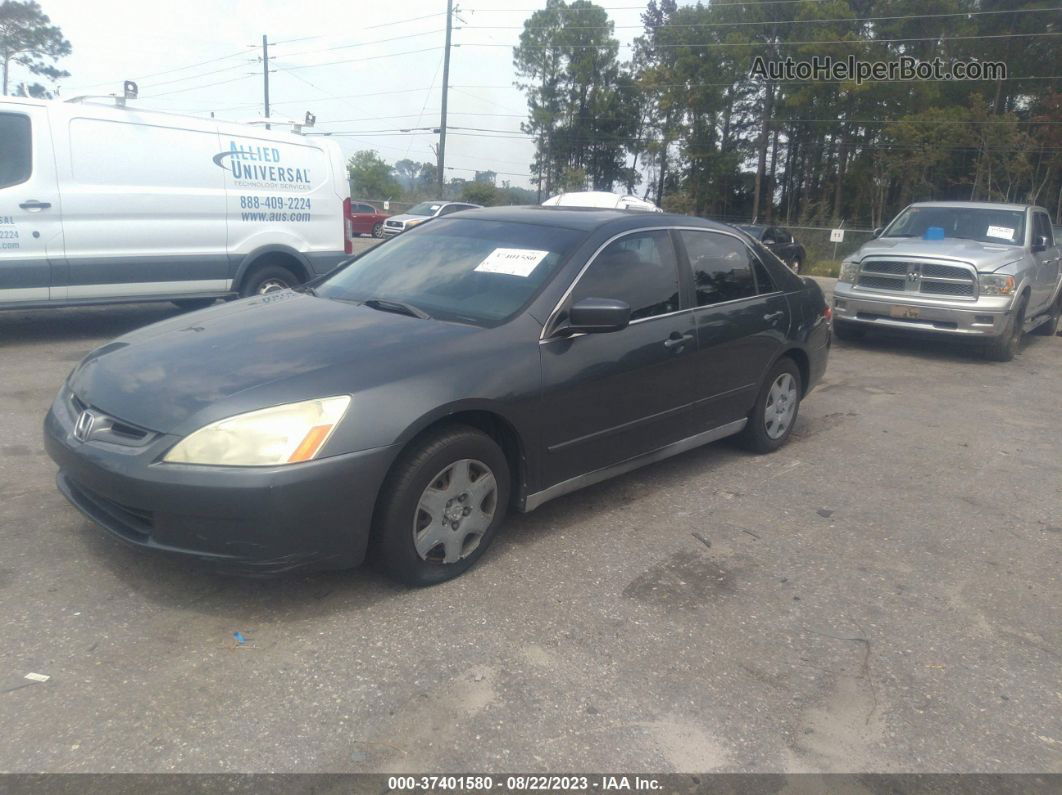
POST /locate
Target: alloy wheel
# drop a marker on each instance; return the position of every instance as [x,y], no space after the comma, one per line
[781,406]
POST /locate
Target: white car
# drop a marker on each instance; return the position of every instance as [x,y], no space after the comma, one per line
[600,198]
[102,203]
[419,213]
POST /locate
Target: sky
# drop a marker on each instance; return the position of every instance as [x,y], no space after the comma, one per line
[389,75]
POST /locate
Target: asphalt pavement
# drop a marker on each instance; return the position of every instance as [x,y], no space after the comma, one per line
[882,594]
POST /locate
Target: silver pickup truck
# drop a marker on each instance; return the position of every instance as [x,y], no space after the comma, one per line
[962,269]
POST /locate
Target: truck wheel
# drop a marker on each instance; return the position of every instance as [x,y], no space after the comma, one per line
[771,421]
[441,506]
[849,332]
[267,280]
[1050,326]
[1005,346]
[377,230]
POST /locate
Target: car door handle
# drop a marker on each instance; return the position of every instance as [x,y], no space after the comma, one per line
[773,316]
[33,204]
[677,340]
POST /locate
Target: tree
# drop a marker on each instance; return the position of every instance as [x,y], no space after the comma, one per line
[29,40]
[408,170]
[479,192]
[371,177]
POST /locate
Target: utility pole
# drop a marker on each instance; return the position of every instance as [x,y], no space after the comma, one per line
[265,73]
[445,91]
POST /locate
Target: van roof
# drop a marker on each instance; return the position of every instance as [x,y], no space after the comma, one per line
[101,109]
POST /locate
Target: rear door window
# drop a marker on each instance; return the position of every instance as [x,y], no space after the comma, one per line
[639,269]
[16,149]
[722,267]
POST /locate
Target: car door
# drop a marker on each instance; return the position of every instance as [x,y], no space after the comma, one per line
[31,230]
[741,319]
[1047,262]
[610,397]
[363,217]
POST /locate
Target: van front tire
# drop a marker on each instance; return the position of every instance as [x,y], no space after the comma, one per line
[268,280]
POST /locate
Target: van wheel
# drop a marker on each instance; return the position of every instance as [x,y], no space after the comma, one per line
[377,230]
[441,506]
[191,304]
[268,280]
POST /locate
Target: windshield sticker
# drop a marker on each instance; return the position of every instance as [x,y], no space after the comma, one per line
[512,261]
[1004,232]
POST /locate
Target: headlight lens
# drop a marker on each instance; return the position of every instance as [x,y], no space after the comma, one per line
[284,434]
[996,284]
[412,223]
[849,271]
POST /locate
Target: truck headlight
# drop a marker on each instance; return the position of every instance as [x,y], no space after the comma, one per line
[849,271]
[278,435]
[995,284]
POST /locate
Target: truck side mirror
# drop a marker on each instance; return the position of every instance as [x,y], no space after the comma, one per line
[878,230]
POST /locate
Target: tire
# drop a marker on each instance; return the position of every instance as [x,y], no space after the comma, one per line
[795,265]
[377,229]
[777,407]
[420,534]
[191,304]
[1004,347]
[849,332]
[267,280]
[1050,327]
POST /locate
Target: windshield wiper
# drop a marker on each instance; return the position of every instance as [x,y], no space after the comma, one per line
[399,307]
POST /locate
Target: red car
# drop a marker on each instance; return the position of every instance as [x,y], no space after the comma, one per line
[367,220]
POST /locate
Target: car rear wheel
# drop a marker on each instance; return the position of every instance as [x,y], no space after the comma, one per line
[777,406]
[377,230]
[269,279]
[441,506]
[1004,347]
[849,332]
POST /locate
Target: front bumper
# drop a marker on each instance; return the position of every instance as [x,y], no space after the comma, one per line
[985,318]
[391,231]
[308,516]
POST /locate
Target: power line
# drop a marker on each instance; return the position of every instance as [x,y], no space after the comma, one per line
[367,58]
[404,21]
[196,88]
[363,43]
[859,20]
[168,71]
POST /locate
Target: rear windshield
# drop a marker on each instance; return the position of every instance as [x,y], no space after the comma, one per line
[985,225]
[454,269]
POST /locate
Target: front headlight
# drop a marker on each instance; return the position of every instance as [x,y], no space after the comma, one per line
[412,223]
[995,284]
[284,434]
[849,271]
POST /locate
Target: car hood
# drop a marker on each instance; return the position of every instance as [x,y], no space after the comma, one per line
[177,375]
[983,256]
[406,217]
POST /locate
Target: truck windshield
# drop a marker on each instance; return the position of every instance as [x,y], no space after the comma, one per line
[457,269]
[424,208]
[986,225]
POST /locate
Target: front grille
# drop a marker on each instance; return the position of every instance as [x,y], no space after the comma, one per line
[924,278]
[136,523]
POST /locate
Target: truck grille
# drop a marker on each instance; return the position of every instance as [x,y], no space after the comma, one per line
[925,278]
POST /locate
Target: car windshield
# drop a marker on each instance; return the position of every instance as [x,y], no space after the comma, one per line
[424,208]
[754,231]
[969,223]
[457,269]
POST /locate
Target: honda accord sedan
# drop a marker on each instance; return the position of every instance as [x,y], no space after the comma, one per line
[399,407]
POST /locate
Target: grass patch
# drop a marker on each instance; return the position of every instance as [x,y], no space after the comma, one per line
[822,267]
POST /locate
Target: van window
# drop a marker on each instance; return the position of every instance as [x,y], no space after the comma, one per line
[16,151]
[722,267]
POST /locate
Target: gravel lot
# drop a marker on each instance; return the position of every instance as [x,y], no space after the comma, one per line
[881,595]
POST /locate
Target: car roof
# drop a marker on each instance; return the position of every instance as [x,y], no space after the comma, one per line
[588,219]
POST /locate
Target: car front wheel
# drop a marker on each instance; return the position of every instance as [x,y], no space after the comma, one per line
[377,230]
[777,406]
[441,506]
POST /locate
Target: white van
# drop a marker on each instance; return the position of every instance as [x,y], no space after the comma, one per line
[101,204]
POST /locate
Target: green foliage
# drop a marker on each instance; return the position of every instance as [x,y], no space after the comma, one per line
[29,41]
[371,177]
[480,193]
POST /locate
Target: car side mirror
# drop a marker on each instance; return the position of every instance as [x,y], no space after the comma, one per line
[878,230]
[598,316]
[1039,243]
